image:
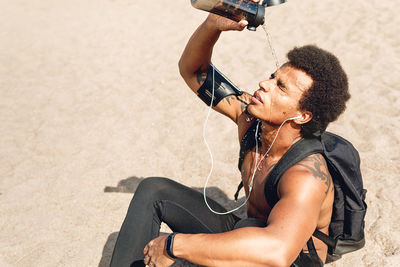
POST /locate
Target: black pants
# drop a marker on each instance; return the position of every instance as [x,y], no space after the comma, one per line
[183,209]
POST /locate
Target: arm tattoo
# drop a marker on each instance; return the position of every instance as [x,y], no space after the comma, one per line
[319,169]
[244,100]
[229,98]
[200,75]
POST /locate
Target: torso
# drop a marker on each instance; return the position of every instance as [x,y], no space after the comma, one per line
[257,206]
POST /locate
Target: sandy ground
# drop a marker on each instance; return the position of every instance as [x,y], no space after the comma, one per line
[91,101]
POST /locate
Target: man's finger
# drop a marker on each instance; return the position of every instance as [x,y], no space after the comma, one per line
[242,24]
[146,260]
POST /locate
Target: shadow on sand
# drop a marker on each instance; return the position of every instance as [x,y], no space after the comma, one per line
[130,185]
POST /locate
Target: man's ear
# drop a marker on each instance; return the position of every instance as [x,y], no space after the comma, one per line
[305,117]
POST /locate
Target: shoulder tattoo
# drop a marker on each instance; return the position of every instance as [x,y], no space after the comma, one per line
[317,165]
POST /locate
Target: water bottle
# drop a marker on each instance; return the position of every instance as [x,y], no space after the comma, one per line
[237,10]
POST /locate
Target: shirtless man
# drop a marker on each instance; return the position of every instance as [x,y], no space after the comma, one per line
[300,98]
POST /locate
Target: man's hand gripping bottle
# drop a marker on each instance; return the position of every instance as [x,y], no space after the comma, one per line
[237,10]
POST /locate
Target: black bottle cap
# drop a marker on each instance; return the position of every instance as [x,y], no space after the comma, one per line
[273,2]
[258,20]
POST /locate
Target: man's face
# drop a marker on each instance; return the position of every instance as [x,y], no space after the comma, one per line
[278,98]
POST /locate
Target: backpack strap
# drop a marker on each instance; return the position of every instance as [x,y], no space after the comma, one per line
[240,186]
[300,150]
[247,144]
[312,251]
[325,238]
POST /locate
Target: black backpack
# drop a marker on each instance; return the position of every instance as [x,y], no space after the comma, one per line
[346,230]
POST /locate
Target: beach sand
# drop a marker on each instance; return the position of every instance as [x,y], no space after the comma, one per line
[91,101]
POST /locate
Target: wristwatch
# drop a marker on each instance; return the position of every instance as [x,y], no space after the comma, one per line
[169,243]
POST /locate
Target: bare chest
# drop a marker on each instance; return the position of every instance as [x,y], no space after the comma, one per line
[257,205]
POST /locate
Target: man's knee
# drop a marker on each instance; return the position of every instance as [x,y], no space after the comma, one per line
[153,186]
[149,191]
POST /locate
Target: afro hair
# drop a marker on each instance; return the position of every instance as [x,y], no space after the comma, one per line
[326,98]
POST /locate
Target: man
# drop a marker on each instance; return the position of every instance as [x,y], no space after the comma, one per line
[300,98]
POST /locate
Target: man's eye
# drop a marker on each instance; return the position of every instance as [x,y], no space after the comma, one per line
[272,76]
[281,86]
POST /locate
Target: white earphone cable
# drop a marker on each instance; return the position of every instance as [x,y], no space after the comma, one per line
[256,165]
[211,156]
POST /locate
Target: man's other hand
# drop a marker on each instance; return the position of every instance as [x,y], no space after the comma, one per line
[155,254]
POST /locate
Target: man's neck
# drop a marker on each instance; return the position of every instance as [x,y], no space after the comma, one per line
[286,137]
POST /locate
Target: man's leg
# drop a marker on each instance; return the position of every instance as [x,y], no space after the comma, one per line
[159,200]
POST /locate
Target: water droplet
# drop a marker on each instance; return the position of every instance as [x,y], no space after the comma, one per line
[270,45]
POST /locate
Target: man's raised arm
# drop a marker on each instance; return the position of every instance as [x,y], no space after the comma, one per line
[195,68]
[196,57]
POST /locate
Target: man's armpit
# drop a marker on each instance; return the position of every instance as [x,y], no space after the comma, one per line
[317,165]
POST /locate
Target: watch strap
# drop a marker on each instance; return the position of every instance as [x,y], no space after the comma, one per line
[169,244]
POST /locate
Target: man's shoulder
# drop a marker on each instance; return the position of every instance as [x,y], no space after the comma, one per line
[311,172]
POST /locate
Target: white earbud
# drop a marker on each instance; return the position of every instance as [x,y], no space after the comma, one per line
[294,118]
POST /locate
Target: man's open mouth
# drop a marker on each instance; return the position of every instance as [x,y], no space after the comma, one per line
[256,98]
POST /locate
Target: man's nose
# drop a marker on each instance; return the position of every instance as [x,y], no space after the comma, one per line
[266,85]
